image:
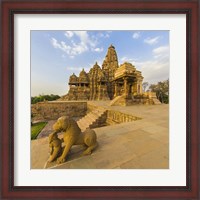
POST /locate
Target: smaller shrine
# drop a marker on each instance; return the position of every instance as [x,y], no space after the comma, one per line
[79,86]
[128,82]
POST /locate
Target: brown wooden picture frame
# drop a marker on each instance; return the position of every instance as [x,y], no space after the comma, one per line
[9,8]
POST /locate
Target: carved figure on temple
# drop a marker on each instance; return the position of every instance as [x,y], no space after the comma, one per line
[74,136]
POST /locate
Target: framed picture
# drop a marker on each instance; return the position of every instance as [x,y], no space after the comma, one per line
[131,69]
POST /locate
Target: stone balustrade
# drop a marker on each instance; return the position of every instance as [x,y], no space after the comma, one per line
[116,117]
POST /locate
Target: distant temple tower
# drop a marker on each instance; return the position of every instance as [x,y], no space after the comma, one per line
[109,67]
[106,83]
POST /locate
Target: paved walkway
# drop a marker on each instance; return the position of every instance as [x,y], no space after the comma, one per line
[46,130]
[141,144]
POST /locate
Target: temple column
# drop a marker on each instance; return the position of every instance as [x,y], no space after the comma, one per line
[125,87]
[99,92]
[141,87]
[116,92]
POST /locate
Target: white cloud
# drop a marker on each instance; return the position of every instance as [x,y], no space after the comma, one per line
[155,69]
[78,42]
[107,35]
[73,50]
[161,50]
[69,34]
[98,49]
[78,69]
[85,38]
[123,59]
[104,34]
[151,41]
[130,60]
[136,35]
[55,43]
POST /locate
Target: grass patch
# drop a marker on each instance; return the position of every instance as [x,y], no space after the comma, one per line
[36,128]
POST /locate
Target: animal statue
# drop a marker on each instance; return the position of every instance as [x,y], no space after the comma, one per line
[55,145]
[73,136]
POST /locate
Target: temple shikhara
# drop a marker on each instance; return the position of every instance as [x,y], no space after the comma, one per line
[109,82]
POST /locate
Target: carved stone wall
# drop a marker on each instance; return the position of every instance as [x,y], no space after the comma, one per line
[98,81]
[53,110]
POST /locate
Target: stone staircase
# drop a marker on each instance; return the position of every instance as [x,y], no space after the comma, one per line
[156,101]
[93,119]
[121,101]
[153,98]
[115,100]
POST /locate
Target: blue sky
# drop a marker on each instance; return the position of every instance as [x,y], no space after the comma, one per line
[55,55]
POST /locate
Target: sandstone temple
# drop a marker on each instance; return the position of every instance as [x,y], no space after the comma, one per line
[109,82]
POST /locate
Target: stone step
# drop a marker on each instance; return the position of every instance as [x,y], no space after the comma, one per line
[98,110]
[156,101]
[93,115]
[101,108]
[83,127]
[85,122]
[96,114]
[91,119]
[83,119]
[115,100]
[88,121]
[80,125]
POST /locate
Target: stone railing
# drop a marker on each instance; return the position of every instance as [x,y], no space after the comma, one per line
[116,117]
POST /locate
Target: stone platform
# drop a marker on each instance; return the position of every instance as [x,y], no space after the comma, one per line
[141,144]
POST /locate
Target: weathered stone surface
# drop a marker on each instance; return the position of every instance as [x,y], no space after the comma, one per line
[140,144]
[51,110]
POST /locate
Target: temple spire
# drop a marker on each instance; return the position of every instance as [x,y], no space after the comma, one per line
[110,63]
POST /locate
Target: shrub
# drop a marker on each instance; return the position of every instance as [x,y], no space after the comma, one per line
[36,129]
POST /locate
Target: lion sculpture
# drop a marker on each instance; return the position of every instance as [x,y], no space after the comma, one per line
[55,145]
[73,136]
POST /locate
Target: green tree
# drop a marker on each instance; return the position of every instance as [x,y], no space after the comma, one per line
[43,97]
[162,90]
[144,86]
